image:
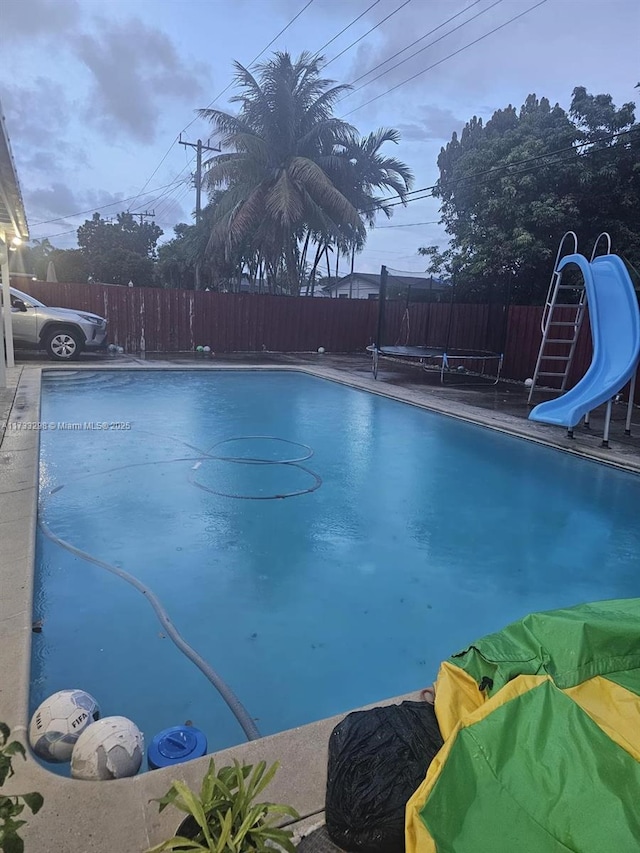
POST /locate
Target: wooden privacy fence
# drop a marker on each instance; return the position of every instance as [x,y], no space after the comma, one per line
[172,321]
[165,321]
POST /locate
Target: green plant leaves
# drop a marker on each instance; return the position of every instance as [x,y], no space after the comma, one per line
[34,801]
[229,819]
[12,807]
[178,842]
[194,807]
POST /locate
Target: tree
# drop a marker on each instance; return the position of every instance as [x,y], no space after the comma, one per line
[276,177]
[361,171]
[35,259]
[610,179]
[505,221]
[121,251]
[70,265]
[97,235]
[290,178]
[178,257]
[369,171]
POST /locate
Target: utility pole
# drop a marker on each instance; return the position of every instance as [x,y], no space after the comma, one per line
[198,176]
[198,182]
[146,215]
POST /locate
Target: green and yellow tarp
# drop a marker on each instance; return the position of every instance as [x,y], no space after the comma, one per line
[541,728]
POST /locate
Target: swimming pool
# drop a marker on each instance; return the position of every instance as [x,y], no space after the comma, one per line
[425,533]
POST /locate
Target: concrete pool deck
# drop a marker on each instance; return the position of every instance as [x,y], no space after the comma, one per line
[94,817]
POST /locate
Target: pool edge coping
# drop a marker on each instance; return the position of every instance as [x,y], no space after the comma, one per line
[301,751]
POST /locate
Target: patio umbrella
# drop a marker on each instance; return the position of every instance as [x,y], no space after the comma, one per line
[51,272]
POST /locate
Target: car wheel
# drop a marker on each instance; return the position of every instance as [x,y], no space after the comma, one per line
[63,344]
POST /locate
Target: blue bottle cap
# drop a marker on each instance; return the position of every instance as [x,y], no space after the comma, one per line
[175,745]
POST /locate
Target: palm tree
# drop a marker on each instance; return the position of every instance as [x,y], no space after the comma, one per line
[367,173]
[277,176]
[370,171]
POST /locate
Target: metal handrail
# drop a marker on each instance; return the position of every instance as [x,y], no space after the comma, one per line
[595,245]
[554,274]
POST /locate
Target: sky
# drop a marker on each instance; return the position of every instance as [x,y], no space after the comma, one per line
[96,92]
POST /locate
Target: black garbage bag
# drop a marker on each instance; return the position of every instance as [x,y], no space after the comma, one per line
[377,759]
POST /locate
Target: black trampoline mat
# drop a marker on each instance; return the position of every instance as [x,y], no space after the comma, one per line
[434,352]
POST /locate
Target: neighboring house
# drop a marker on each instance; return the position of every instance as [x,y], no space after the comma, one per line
[320,288]
[247,286]
[364,285]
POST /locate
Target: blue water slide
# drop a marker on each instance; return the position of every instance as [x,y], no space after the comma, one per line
[615,331]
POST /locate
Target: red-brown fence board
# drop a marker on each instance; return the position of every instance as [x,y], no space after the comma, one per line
[170,321]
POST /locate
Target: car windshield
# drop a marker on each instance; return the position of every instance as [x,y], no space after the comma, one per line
[30,300]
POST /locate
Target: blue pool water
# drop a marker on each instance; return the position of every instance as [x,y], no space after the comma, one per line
[425,534]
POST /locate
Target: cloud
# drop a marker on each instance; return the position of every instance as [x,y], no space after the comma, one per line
[30,19]
[46,202]
[38,116]
[503,65]
[40,161]
[59,202]
[433,123]
[105,202]
[170,213]
[134,69]
[37,111]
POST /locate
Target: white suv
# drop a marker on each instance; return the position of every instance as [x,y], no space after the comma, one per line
[62,332]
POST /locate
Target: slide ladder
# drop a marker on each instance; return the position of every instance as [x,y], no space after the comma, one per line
[561,323]
[615,335]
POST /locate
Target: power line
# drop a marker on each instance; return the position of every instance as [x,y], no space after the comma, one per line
[177,199]
[175,187]
[422,49]
[51,236]
[226,89]
[255,59]
[177,196]
[413,43]
[283,30]
[100,207]
[450,56]
[487,174]
[344,29]
[354,43]
[408,224]
[150,178]
[521,162]
[386,18]
[198,179]
[75,230]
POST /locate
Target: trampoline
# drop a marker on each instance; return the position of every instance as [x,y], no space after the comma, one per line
[445,357]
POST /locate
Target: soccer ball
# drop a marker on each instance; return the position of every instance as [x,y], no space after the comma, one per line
[206,349]
[59,722]
[528,383]
[321,350]
[112,748]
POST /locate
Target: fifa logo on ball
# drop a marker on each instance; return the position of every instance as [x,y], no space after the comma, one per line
[58,723]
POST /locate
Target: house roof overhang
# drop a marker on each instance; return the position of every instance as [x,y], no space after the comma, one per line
[13,219]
